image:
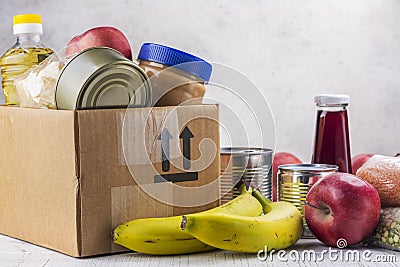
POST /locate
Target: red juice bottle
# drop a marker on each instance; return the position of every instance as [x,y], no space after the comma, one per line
[332,142]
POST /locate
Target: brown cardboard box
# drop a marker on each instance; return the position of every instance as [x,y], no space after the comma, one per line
[65,182]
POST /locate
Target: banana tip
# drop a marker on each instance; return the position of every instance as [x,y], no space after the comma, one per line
[113,234]
[183,222]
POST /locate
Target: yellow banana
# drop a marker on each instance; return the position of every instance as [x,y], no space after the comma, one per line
[278,228]
[163,236]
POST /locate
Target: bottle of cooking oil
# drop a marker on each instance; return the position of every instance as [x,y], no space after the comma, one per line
[27,52]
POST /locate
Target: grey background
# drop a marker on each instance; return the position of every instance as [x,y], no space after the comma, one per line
[292,50]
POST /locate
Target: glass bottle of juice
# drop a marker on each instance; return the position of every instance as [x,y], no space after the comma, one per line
[27,52]
[332,142]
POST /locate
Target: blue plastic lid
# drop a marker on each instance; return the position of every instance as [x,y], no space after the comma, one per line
[171,57]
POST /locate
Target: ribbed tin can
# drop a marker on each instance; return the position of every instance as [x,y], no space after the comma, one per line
[101,77]
[294,182]
[253,165]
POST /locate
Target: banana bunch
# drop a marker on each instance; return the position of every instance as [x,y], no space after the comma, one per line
[236,225]
[278,228]
[163,236]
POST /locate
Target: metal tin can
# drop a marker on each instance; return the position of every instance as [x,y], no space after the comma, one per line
[294,182]
[253,165]
[101,77]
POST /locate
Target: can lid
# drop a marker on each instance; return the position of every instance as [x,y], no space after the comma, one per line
[314,168]
[331,99]
[101,77]
[247,158]
[118,84]
[173,57]
[27,23]
[244,151]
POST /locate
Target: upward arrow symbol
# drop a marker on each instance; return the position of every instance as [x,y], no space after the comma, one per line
[165,136]
[186,135]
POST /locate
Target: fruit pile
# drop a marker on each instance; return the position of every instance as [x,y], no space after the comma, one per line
[341,210]
[237,225]
[360,207]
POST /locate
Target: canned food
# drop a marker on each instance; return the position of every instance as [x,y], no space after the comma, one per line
[253,165]
[101,77]
[294,182]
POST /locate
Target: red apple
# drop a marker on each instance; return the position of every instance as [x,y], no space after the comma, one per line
[281,158]
[359,160]
[100,36]
[342,206]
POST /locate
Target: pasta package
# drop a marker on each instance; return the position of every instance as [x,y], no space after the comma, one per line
[383,173]
[387,233]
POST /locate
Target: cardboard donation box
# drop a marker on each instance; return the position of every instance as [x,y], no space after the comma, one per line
[69,177]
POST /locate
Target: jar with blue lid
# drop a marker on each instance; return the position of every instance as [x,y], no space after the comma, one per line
[176,77]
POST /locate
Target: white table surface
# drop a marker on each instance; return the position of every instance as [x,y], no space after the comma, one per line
[14,252]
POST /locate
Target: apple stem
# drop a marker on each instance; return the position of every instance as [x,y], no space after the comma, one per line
[327,210]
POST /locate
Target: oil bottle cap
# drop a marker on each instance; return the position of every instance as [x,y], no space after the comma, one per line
[330,99]
[27,23]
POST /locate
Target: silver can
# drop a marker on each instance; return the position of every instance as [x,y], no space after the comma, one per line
[294,182]
[253,165]
[101,77]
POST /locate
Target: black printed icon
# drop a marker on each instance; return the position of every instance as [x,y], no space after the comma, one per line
[165,136]
[186,135]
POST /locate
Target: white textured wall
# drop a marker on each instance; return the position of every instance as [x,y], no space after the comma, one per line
[292,50]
